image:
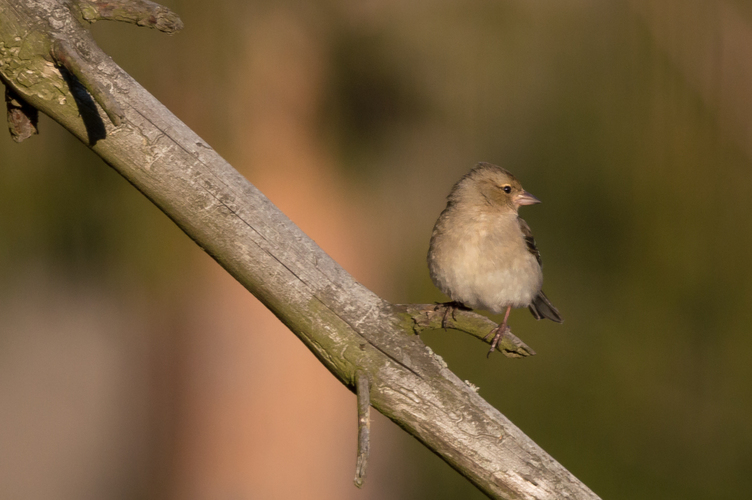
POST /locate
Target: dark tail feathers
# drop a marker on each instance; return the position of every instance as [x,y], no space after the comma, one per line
[543,308]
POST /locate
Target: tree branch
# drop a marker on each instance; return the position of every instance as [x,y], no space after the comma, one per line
[433,317]
[139,12]
[347,327]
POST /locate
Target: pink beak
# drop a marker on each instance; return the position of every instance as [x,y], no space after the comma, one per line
[526,198]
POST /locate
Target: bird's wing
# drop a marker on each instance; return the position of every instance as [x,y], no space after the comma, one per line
[529,240]
[541,308]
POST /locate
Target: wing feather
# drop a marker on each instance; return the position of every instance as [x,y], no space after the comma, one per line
[541,307]
[529,240]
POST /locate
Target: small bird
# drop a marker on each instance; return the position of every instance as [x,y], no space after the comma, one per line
[483,255]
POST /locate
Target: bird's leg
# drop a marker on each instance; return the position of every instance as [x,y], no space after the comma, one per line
[498,332]
[449,308]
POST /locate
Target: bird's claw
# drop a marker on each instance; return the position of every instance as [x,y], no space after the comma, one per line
[449,308]
[497,332]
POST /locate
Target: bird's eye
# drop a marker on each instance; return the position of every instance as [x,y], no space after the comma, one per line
[507,189]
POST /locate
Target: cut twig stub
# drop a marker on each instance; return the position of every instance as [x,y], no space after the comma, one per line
[22,117]
[68,57]
[362,385]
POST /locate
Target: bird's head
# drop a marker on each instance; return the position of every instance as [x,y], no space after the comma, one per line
[491,185]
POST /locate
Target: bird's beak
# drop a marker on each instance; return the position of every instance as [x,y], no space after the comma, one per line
[526,198]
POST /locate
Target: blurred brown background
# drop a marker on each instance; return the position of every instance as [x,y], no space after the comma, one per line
[133,367]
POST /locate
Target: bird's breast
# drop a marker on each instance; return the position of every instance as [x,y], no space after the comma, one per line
[485,265]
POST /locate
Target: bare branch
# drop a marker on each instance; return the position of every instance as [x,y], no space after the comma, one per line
[139,12]
[346,326]
[434,317]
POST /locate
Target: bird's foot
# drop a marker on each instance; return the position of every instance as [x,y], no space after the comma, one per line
[449,308]
[497,332]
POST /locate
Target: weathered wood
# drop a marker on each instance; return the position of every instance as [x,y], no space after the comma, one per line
[347,327]
[22,118]
[139,12]
[362,390]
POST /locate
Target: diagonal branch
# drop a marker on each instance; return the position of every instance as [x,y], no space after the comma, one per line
[346,326]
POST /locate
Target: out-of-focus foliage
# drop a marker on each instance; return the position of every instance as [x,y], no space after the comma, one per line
[629,119]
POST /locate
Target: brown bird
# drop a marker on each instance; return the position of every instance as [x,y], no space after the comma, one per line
[482,254]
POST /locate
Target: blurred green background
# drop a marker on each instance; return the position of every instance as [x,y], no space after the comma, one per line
[131,366]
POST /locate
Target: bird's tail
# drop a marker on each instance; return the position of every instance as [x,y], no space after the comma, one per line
[541,308]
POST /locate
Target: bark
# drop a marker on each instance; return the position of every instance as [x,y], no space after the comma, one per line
[50,62]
